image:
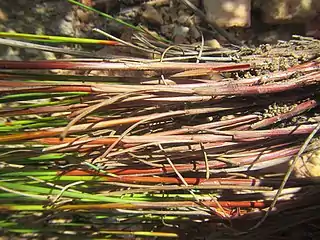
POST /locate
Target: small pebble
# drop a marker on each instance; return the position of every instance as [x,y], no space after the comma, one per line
[213,43]
[83,16]
[49,55]
[3,16]
[180,34]
[69,17]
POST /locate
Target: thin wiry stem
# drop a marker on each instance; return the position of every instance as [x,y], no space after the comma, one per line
[20,44]
[288,173]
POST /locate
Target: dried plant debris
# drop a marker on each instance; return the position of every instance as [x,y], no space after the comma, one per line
[152,140]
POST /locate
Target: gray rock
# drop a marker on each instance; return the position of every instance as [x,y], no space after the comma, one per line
[30,53]
[3,50]
[180,30]
[194,32]
[12,58]
[66,28]
[183,19]
[151,15]
[167,30]
[49,55]
[180,34]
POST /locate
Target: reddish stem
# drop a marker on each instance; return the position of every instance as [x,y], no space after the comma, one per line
[303,107]
[128,66]
[153,205]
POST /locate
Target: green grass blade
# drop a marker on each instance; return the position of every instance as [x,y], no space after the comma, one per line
[33,96]
[56,39]
[107,16]
[51,191]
